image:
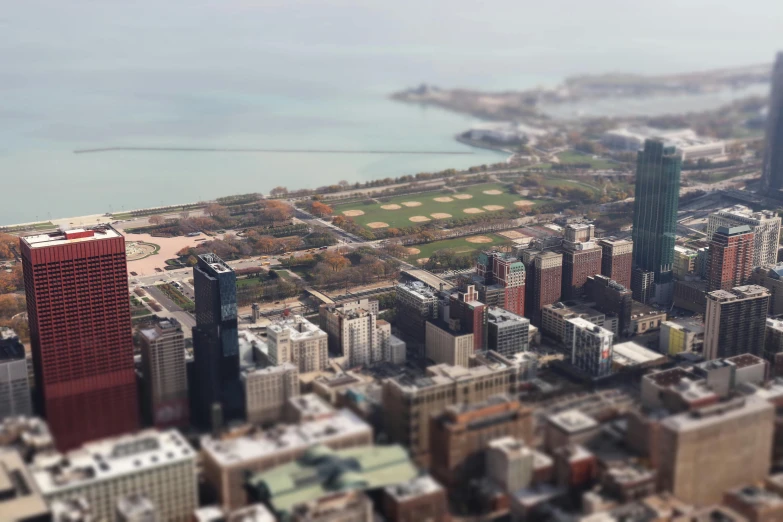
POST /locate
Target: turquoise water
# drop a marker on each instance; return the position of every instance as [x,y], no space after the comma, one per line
[299,74]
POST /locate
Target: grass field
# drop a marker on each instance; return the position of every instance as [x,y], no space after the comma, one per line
[571,156]
[373,213]
[460,245]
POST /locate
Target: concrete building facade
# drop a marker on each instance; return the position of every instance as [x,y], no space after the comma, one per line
[415,303]
[15,398]
[298,341]
[445,345]
[507,333]
[589,346]
[735,322]
[165,379]
[765,226]
[267,390]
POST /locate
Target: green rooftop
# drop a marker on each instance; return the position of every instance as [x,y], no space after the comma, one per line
[322,471]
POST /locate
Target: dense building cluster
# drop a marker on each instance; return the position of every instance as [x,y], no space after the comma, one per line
[575,376]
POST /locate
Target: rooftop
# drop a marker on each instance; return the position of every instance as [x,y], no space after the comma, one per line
[74,235]
[712,415]
[572,421]
[262,444]
[297,326]
[19,497]
[11,348]
[321,471]
[632,353]
[744,360]
[669,377]
[110,458]
[419,289]
[160,328]
[584,324]
[421,485]
[214,262]
[733,231]
[500,316]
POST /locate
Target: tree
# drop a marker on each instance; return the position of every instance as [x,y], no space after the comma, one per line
[275,211]
[6,242]
[184,214]
[216,210]
[192,261]
[334,260]
[156,220]
[11,304]
[321,209]
[11,281]
[183,251]
[278,191]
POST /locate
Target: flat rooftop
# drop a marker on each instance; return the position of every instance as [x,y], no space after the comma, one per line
[716,414]
[635,353]
[263,444]
[418,289]
[74,235]
[572,421]
[298,326]
[110,458]
[421,485]
[744,360]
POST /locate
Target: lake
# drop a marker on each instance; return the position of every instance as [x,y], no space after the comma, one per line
[300,74]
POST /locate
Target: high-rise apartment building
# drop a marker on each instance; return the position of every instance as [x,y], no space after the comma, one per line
[508,272]
[507,333]
[731,258]
[617,259]
[165,377]
[771,278]
[355,332]
[408,404]
[296,340]
[159,464]
[580,261]
[589,347]
[704,452]
[459,436]
[735,322]
[611,298]
[772,173]
[764,224]
[415,304]
[773,340]
[545,279]
[216,343]
[15,398]
[656,199]
[76,284]
[267,391]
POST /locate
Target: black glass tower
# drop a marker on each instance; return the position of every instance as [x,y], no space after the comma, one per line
[655,205]
[217,388]
[773,153]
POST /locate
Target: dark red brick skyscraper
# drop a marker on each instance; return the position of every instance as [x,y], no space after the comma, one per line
[617,260]
[80,329]
[730,262]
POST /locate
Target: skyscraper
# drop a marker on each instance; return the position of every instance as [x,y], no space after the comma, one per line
[545,276]
[582,258]
[215,342]
[15,397]
[655,214]
[735,322]
[765,225]
[773,155]
[731,258]
[165,384]
[76,284]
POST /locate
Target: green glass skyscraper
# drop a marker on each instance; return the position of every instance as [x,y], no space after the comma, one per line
[655,214]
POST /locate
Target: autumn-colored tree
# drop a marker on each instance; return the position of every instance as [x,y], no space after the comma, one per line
[215,210]
[183,251]
[156,220]
[321,209]
[192,261]
[334,260]
[278,191]
[267,244]
[6,242]
[275,211]
[338,221]
[11,304]
[11,281]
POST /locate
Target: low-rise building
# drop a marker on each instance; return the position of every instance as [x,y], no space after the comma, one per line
[632,355]
[20,498]
[569,427]
[554,317]
[342,506]
[160,465]
[509,463]
[421,498]
[645,318]
[227,459]
[681,335]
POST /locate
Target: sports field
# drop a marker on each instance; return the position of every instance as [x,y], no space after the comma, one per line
[460,245]
[407,210]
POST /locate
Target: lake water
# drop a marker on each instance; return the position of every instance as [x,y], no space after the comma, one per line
[300,74]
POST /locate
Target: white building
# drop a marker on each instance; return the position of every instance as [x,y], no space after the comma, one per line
[267,391]
[690,145]
[509,463]
[589,346]
[15,398]
[765,226]
[298,341]
[159,465]
[356,333]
